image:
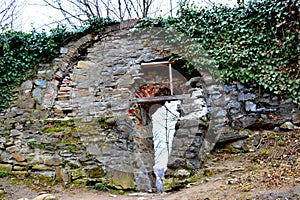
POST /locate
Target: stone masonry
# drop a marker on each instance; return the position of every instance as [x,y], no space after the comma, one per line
[71,122]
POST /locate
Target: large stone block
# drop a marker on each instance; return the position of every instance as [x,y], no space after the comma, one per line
[94,171]
[85,64]
[27,103]
[122,180]
[296,119]
[6,167]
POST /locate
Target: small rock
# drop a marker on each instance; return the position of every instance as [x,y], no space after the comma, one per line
[142,198]
[237,169]
[137,194]
[113,195]
[63,50]
[2,192]
[231,181]
[41,83]
[52,161]
[296,119]
[12,149]
[238,144]
[182,173]
[23,199]
[289,126]
[45,197]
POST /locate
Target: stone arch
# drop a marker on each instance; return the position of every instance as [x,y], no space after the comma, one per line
[71,124]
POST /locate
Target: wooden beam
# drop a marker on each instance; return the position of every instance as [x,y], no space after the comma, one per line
[155,64]
[171,78]
[160,98]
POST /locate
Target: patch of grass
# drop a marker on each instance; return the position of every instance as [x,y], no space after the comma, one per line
[101,186]
[6,134]
[279,138]
[32,144]
[88,154]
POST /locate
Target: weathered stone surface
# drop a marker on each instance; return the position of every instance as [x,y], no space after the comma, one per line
[250,106]
[289,126]
[15,133]
[13,149]
[50,94]
[41,83]
[90,104]
[22,174]
[6,167]
[63,50]
[296,119]
[233,136]
[26,87]
[46,197]
[18,168]
[122,180]
[53,161]
[246,97]
[18,157]
[62,175]
[94,171]
[41,167]
[76,173]
[27,103]
[37,94]
[182,173]
[85,64]
[248,121]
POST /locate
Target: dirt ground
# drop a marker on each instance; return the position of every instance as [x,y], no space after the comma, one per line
[269,169]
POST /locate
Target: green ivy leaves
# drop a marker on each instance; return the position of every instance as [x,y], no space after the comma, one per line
[21,52]
[257,43]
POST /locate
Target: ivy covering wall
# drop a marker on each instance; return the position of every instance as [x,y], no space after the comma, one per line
[21,52]
[257,43]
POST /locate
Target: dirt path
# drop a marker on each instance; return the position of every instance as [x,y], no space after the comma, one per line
[269,171]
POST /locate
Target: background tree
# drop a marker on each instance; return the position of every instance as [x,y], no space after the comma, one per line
[76,12]
[10,13]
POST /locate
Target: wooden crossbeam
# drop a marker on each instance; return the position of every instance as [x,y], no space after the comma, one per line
[160,98]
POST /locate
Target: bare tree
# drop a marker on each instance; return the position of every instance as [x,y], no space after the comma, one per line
[10,12]
[75,12]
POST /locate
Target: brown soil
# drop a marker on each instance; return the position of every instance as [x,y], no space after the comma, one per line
[269,170]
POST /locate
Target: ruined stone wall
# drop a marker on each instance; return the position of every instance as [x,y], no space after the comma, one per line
[232,110]
[71,121]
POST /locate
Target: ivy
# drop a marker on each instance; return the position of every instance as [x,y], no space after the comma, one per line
[257,43]
[21,52]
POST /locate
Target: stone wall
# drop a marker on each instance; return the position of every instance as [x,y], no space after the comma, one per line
[233,110]
[71,121]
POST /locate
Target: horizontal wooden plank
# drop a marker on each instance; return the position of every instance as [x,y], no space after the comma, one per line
[155,64]
[160,98]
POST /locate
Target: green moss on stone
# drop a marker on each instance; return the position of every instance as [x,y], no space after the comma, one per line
[121,180]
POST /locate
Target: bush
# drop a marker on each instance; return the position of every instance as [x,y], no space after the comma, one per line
[257,43]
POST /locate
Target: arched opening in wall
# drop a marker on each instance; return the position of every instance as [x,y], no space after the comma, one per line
[159,89]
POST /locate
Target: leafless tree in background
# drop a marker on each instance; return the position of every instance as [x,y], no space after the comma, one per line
[10,12]
[75,12]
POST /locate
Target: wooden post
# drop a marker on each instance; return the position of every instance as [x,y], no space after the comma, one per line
[171,78]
